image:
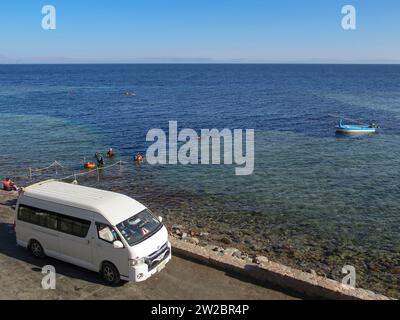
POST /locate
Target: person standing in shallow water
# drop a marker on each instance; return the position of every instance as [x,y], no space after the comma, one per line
[100,159]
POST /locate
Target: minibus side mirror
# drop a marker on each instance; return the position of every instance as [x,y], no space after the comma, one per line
[160,218]
[118,244]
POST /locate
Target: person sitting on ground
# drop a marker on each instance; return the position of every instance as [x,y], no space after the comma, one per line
[110,153]
[9,185]
[100,159]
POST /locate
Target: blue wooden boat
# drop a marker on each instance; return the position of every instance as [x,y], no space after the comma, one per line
[356,128]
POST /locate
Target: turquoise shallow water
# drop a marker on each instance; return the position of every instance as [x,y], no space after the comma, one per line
[315,201]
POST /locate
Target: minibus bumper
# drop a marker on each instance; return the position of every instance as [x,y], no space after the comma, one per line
[141,272]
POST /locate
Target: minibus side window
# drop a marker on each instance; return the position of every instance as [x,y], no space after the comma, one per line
[74,226]
[38,217]
[24,214]
[48,220]
[106,233]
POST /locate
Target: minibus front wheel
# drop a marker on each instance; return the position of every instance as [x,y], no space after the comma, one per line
[110,273]
[36,249]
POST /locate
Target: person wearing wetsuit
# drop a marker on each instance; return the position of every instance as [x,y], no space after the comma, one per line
[100,159]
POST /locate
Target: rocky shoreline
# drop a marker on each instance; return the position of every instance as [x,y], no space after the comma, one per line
[200,238]
[222,244]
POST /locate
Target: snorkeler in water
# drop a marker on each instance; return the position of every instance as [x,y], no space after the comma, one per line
[110,153]
[138,157]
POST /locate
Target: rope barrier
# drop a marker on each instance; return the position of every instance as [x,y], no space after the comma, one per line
[80,174]
[73,176]
[55,164]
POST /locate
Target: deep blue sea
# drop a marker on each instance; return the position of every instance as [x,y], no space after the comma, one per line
[315,201]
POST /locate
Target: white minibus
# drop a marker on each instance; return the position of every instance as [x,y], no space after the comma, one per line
[98,230]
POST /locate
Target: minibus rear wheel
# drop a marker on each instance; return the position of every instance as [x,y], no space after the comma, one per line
[110,274]
[36,249]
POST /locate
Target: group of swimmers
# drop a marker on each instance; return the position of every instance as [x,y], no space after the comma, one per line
[110,154]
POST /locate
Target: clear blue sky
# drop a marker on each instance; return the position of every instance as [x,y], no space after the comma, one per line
[218,29]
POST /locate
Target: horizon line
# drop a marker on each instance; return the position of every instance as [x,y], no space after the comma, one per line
[5,60]
[205,63]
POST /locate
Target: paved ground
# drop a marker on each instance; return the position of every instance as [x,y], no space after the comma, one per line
[20,277]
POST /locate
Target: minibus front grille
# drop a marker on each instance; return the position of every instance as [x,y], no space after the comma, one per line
[157,257]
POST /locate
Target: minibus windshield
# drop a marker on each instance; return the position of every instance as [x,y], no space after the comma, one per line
[139,227]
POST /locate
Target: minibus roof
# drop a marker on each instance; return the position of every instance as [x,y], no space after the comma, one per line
[113,206]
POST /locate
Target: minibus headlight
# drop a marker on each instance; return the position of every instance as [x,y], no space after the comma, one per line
[135,262]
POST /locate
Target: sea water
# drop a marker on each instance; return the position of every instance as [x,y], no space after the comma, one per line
[315,200]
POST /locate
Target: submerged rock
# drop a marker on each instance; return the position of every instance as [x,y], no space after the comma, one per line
[226,240]
[395,270]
